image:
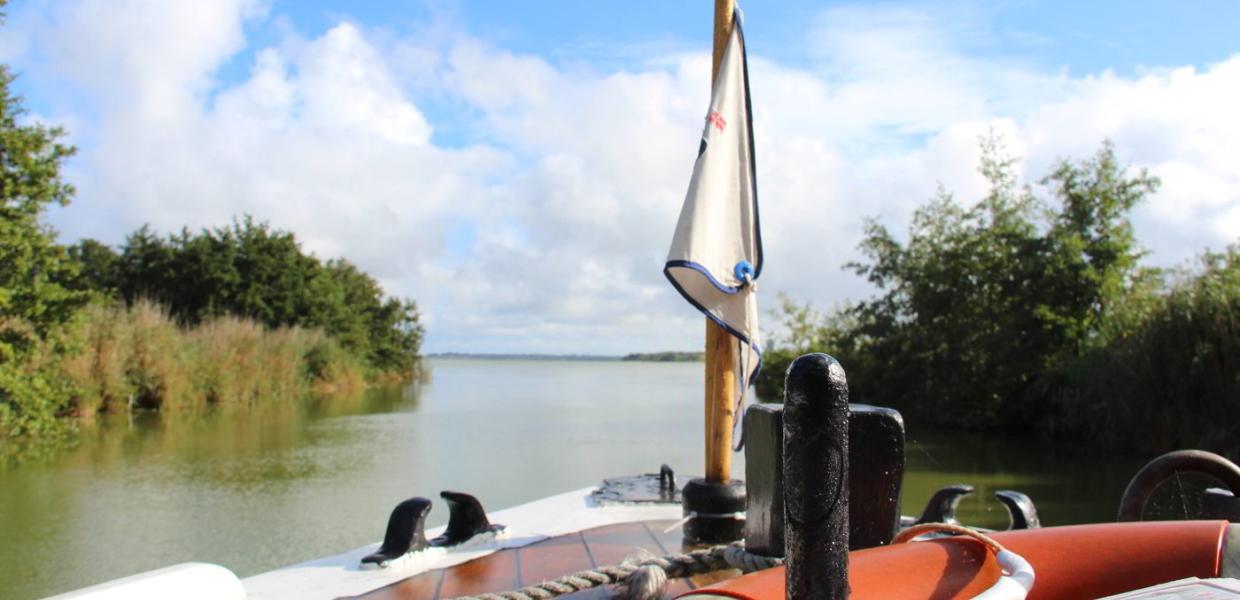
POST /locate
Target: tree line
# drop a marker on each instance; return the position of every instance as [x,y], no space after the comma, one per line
[206,315]
[251,270]
[1031,309]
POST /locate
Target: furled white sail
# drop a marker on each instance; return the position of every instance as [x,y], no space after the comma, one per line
[716,254]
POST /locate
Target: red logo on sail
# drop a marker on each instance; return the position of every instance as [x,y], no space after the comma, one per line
[716,119]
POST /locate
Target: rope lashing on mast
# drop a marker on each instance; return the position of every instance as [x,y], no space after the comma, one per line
[643,577]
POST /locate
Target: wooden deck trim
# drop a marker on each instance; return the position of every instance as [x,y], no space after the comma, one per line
[545,559]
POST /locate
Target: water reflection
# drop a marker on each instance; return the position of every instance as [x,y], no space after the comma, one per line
[141,491]
[1069,483]
[255,490]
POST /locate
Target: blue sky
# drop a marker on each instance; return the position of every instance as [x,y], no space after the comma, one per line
[1073,37]
[1083,37]
[517,167]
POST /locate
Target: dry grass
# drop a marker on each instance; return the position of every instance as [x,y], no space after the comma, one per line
[139,357]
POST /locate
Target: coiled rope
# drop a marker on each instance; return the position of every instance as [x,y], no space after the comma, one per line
[643,576]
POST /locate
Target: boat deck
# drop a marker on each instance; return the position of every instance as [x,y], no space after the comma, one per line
[549,559]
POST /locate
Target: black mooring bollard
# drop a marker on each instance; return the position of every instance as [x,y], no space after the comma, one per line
[715,510]
[875,474]
[816,479]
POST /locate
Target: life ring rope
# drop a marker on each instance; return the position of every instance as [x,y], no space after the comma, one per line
[1017,578]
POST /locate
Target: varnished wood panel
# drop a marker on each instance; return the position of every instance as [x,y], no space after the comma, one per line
[553,558]
[611,545]
[493,573]
[669,541]
[548,559]
[422,586]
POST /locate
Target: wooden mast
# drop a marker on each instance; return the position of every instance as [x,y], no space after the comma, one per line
[721,357]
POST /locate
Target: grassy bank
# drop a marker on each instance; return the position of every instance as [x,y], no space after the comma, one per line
[139,357]
[115,359]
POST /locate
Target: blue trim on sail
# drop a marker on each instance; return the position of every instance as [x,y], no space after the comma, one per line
[688,264]
[710,315]
[738,19]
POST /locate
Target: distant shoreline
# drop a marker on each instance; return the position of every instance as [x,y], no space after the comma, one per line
[637,356]
[666,356]
[486,356]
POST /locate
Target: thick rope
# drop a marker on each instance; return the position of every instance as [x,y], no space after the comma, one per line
[643,579]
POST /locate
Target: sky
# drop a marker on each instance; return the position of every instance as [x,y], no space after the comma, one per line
[517,167]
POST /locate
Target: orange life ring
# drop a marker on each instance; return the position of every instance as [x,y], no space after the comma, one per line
[1080,561]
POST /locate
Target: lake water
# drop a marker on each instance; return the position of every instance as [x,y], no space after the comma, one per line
[280,485]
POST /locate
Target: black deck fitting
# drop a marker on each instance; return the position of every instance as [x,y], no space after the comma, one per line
[715,510]
[764,479]
[648,488]
[816,479]
[405,532]
[667,481]
[941,508]
[1021,511]
[875,474]
[875,477]
[466,518]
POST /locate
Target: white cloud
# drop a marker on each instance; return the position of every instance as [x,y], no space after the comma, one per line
[548,234]
[1180,125]
[151,54]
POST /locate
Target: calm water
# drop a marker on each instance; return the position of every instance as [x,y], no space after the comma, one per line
[266,489]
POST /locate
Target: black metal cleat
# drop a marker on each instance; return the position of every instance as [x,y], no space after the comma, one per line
[466,518]
[1021,511]
[667,483]
[406,532]
[942,505]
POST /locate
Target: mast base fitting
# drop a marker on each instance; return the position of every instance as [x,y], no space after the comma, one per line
[715,511]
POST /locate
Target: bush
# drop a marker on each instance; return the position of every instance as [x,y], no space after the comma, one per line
[769,386]
[35,394]
[1028,313]
[982,305]
[1165,373]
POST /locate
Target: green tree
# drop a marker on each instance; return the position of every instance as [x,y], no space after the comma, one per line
[145,267]
[801,329]
[981,305]
[34,303]
[98,266]
[249,269]
[1164,371]
[350,306]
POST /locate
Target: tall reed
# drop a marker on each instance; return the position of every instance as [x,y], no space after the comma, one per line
[1165,374]
[139,357]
